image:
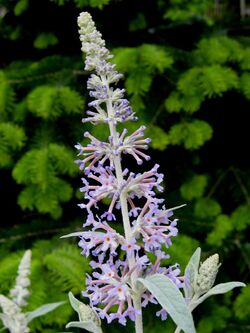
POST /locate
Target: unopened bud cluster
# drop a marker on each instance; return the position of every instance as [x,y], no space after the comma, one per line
[12,316]
[207,274]
[20,292]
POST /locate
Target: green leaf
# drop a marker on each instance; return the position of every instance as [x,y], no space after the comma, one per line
[191,134]
[241,304]
[206,207]
[42,310]
[64,275]
[245,84]
[160,139]
[218,50]
[240,218]
[222,228]
[191,272]
[53,101]
[44,40]
[171,299]
[194,188]
[21,7]
[138,23]
[12,138]
[7,96]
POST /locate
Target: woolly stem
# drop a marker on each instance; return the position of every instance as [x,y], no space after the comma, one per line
[124,211]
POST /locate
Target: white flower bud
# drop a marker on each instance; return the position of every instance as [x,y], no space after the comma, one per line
[13,319]
[207,274]
[20,292]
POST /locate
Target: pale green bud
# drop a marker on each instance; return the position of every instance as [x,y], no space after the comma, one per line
[207,274]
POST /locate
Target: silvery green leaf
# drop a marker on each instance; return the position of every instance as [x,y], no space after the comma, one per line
[171,299]
[85,313]
[73,234]
[74,302]
[191,272]
[42,310]
[87,325]
[78,233]
[221,288]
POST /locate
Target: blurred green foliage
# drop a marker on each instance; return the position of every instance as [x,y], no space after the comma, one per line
[186,71]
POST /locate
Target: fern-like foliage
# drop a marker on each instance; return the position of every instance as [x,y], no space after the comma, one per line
[245,84]
[199,83]
[218,50]
[141,64]
[44,40]
[67,275]
[12,138]
[226,226]
[7,97]
[52,102]
[194,188]
[185,10]
[190,134]
[39,169]
[241,308]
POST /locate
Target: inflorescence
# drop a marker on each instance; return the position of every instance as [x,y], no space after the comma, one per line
[148,228]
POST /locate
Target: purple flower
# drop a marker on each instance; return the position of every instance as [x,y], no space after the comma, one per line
[130,247]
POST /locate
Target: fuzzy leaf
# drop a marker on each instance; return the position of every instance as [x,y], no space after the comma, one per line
[42,310]
[191,272]
[87,325]
[221,288]
[93,322]
[171,299]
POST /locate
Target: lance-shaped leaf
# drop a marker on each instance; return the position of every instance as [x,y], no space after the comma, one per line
[78,233]
[73,234]
[191,272]
[221,288]
[171,299]
[42,310]
[88,318]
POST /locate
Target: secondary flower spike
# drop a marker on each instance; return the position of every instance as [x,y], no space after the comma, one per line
[119,259]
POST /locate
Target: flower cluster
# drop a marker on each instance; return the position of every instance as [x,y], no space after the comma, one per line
[20,292]
[12,316]
[119,259]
